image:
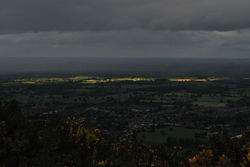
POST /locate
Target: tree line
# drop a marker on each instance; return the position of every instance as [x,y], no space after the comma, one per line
[68,142]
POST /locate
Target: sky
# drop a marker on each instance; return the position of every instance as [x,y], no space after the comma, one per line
[125,28]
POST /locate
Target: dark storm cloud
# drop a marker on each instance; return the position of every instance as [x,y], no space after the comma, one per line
[106,15]
[125,28]
[129,43]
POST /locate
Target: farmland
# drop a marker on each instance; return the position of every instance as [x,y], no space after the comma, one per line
[140,102]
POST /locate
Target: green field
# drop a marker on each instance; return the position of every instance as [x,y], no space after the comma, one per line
[217,98]
[161,135]
[210,104]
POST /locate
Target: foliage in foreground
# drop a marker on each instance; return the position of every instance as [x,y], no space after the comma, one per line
[56,142]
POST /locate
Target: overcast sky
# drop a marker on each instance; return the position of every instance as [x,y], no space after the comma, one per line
[125,28]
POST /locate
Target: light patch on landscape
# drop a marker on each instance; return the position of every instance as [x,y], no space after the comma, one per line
[195,79]
[51,80]
[93,81]
[83,79]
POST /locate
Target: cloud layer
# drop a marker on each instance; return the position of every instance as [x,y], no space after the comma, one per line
[125,28]
[107,15]
[136,43]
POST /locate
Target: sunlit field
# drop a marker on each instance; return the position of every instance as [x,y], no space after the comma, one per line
[92,81]
[195,79]
[83,79]
[97,79]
